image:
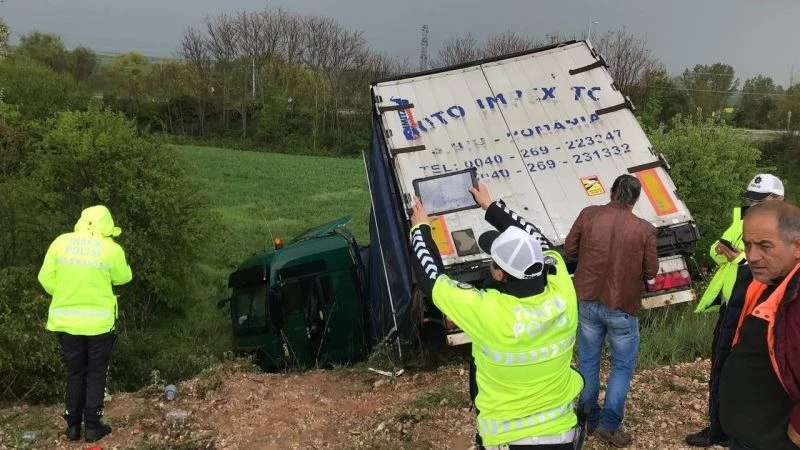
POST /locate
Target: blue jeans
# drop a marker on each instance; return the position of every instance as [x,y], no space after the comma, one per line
[595,322]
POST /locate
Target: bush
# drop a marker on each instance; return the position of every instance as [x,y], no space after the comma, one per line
[711,164]
[29,361]
[783,152]
[38,91]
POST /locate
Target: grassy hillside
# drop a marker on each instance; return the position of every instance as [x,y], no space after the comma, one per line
[262,195]
[104,58]
[255,196]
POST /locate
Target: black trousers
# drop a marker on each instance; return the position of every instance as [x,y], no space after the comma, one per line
[86,361]
[719,353]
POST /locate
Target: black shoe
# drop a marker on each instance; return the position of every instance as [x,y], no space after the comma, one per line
[94,434]
[703,439]
[73,432]
[590,427]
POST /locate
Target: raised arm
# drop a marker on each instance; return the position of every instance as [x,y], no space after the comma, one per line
[501,216]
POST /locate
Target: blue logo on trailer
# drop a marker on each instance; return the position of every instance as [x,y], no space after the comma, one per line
[410,130]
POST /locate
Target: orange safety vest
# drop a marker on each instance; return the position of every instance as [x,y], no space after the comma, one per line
[765,311]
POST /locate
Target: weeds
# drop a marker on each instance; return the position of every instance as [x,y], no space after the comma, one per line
[674,334]
[441,398]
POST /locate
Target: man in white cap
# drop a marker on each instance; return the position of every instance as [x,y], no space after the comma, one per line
[762,187]
[522,329]
[725,293]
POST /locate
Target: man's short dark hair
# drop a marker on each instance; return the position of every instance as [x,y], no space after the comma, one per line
[787,215]
[626,190]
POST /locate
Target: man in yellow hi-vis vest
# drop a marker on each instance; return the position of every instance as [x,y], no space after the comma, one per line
[79,270]
[522,329]
[725,293]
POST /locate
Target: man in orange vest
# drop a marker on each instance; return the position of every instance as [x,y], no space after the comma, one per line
[763,187]
[760,382]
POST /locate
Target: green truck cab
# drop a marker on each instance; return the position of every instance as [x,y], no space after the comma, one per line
[302,304]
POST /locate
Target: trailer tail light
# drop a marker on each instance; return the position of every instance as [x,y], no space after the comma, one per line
[669,280]
[672,275]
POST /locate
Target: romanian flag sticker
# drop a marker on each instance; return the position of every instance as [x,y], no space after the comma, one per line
[593,185]
[441,236]
[656,192]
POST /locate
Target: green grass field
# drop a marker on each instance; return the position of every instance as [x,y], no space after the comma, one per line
[259,196]
[103,58]
[255,196]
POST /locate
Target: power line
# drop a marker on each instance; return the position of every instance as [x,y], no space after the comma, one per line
[670,88]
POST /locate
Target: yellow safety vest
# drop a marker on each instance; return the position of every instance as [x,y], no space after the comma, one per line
[724,278]
[79,270]
[522,349]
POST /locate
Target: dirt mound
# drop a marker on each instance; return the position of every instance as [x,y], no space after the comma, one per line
[234,408]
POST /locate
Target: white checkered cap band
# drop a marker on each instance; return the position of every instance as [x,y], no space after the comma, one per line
[765,183]
[517,252]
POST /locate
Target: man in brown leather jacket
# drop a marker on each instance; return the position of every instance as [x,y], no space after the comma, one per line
[616,252]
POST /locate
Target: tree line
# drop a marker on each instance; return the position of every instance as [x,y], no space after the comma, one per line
[278,80]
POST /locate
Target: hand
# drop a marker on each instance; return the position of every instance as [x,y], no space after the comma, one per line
[729,254]
[481,195]
[419,215]
[794,436]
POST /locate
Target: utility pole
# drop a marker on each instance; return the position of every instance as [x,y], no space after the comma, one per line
[589,34]
[423,52]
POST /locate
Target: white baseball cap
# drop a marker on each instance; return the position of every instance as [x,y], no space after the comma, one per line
[762,186]
[515,251]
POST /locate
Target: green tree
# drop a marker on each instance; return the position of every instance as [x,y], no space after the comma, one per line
[660,100]
[82,63]
[759,107]
[45,48]
[710,86]
[20,229]
[710,163]
[129,73]
[5,32]
[36,90]
[789,109]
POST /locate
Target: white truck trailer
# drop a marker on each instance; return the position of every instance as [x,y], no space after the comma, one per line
[548,132]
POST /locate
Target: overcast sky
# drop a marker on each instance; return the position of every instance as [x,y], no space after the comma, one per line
[752,36]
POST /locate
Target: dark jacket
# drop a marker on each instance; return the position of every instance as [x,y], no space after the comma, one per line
[724,332]
[616,252]
[787,348]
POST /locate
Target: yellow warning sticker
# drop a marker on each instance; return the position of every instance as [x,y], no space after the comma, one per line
[441,236]
[656,192]
[593,185]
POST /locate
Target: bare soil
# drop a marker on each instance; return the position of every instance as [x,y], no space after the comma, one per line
[232,407]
